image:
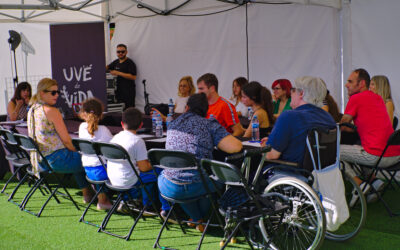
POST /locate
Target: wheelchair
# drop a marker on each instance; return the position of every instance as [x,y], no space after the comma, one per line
[302,225]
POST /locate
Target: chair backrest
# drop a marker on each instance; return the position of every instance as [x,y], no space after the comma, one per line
[324,145]
[112,151]
[172,159]
[225,172]
[8,136]
[394,138]
[395,122]
[84,146]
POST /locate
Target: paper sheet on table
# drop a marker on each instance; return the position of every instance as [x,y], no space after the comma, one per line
[251,144]
[145,135]
[164,139]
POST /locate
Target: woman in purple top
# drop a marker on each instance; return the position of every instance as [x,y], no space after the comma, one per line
[193,133]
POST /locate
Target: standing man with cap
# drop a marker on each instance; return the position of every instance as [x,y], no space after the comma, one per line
[125,70]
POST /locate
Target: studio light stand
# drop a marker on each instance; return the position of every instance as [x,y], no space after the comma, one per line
[14,41]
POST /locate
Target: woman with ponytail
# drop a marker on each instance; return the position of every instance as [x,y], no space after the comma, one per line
[91,113]
[260,100]
[46,126]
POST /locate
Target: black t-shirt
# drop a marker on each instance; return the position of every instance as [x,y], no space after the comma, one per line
[128,66]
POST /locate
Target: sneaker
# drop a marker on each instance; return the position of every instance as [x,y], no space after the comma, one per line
[191,224]
[365,187]
[123,208]
[164,214]
[371,198]
[149,211]
[378,184]
[101,206]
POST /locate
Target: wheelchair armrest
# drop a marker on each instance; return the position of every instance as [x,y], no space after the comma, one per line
[256,151]
[234,157]
[288,163]
[349,125]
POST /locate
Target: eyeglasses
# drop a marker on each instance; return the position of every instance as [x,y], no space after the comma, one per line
[276,88]
[52,92]
[121,51]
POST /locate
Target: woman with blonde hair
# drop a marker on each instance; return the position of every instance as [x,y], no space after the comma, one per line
[380,85]
[47,128]
[185,90]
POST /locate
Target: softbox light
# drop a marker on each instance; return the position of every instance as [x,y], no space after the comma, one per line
[14,39]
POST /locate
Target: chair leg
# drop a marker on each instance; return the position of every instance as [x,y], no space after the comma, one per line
[109,213]
[10,179]
[17,187]
[30,193]
[47,201]
[88,206]
[205,230]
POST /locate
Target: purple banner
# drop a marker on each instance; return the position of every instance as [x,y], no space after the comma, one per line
[78,63]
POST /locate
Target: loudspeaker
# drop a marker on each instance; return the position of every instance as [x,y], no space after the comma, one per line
[162,107]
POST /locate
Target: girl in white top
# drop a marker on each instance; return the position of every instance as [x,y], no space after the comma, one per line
[236,98]
[91,112]
[185,90]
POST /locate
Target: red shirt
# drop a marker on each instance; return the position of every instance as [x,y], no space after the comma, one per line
[373,123]
[224,112]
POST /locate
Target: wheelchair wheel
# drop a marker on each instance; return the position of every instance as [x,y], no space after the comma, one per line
[303,225]
[358,213]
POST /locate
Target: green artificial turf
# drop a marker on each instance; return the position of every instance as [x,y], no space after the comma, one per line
[58,228]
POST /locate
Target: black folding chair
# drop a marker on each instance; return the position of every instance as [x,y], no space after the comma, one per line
[240,204]
[116,153]
[85,147]
[171,159]
[388,173]
[15,156]
[29,145]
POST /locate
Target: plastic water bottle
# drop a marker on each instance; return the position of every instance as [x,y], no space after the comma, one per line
[169,119]
[211,117]
[159,128]
[171,106]
[255,131]
[250,112]
[153,121]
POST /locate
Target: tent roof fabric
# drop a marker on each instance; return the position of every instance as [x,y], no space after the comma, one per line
[64,11]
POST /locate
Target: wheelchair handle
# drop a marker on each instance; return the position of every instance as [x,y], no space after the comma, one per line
[256,151]
[349,125]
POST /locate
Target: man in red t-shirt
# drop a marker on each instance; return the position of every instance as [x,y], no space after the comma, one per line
[368,112]
[219,107]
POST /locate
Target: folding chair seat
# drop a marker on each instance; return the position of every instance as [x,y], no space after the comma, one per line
[180,160]
[29,145]
[116,153]
[16,157]
[388,173]
[85,147]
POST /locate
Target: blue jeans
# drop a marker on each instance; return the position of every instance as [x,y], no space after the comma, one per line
[195,210]
[68,162]
[149,177]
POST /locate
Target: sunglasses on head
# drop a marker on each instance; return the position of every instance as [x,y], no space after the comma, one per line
[121,51]
[52,92]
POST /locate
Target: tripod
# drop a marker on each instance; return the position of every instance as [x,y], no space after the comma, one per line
[147,106]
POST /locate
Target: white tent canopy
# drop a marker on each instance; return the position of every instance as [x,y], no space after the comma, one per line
[287,40]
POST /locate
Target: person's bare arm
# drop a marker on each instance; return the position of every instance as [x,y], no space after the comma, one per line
[54,116]
[13,109]
[237,129]
[230,144]
[144,165]
[124,75]
[346,119]
[273,155]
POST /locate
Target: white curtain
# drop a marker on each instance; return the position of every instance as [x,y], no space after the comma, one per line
[285,41]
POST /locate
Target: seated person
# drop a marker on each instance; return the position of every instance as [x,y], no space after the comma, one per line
[193,133]
[288,137]
[219,107]
[236,98]
[380,85]
[17,108]
[185,90]
[259,99]
[121,174]
[46,126]
[368,112]
[91,113]
[281,89]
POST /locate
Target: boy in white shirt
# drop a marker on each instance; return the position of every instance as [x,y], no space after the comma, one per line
[121,174]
